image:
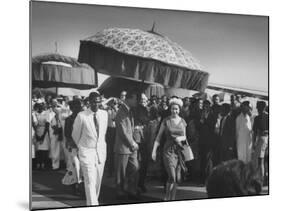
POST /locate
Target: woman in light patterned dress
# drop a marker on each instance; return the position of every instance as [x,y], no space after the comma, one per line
[174,128]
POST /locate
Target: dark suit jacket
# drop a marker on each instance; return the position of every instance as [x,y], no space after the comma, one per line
[124,131]
[207,132]
[68,127]
[228,143]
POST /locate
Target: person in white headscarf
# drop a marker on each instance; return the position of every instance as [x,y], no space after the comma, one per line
[244,133]
[55,133]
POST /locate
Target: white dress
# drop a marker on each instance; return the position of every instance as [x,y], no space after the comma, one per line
[55,144]
[244,137]
[40,123]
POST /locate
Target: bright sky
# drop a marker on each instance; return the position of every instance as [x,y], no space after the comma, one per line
[232,48]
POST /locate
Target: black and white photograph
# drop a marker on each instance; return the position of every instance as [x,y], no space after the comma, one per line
[134,105]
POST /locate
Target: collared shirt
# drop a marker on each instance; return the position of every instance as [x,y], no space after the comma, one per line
[84,131]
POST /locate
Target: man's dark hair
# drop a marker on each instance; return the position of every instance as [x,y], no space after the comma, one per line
[226,107]
[131,93]
[36,106]
[154,113]
[93,95]
[246,103]
[261,105]
[234,178]
[75,104]
[206,102]
[215,95]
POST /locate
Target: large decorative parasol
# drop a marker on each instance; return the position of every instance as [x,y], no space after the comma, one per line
[113,86]
[144,56]
[55,70]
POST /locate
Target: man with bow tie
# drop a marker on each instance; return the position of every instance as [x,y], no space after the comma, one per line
[89,131]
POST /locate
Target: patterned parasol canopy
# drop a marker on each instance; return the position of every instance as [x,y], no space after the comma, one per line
[55,70]
[145,44]
[144,56]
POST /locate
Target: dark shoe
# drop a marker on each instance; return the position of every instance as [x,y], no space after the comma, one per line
[43,168]
[142,189]
[265,182]
[77,190]
[121,196]
[133,196]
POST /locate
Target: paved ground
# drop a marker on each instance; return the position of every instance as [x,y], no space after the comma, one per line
[49,192]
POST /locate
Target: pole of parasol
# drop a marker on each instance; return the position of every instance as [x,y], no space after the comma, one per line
[152,30]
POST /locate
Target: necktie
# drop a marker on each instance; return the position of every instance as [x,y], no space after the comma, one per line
[96,124]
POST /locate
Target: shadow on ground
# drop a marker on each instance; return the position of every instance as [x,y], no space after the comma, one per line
[47,189]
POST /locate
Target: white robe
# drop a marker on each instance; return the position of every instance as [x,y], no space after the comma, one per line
[40,120]
[244,137]
[55,144]
[64,112]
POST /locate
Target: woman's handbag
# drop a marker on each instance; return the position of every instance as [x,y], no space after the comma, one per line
[186,152]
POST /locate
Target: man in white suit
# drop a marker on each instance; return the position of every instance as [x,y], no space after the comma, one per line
[89,131]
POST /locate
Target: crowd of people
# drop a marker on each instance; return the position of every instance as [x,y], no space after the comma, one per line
[189,138]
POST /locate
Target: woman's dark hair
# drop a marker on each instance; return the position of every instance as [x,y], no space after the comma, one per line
[234,178]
